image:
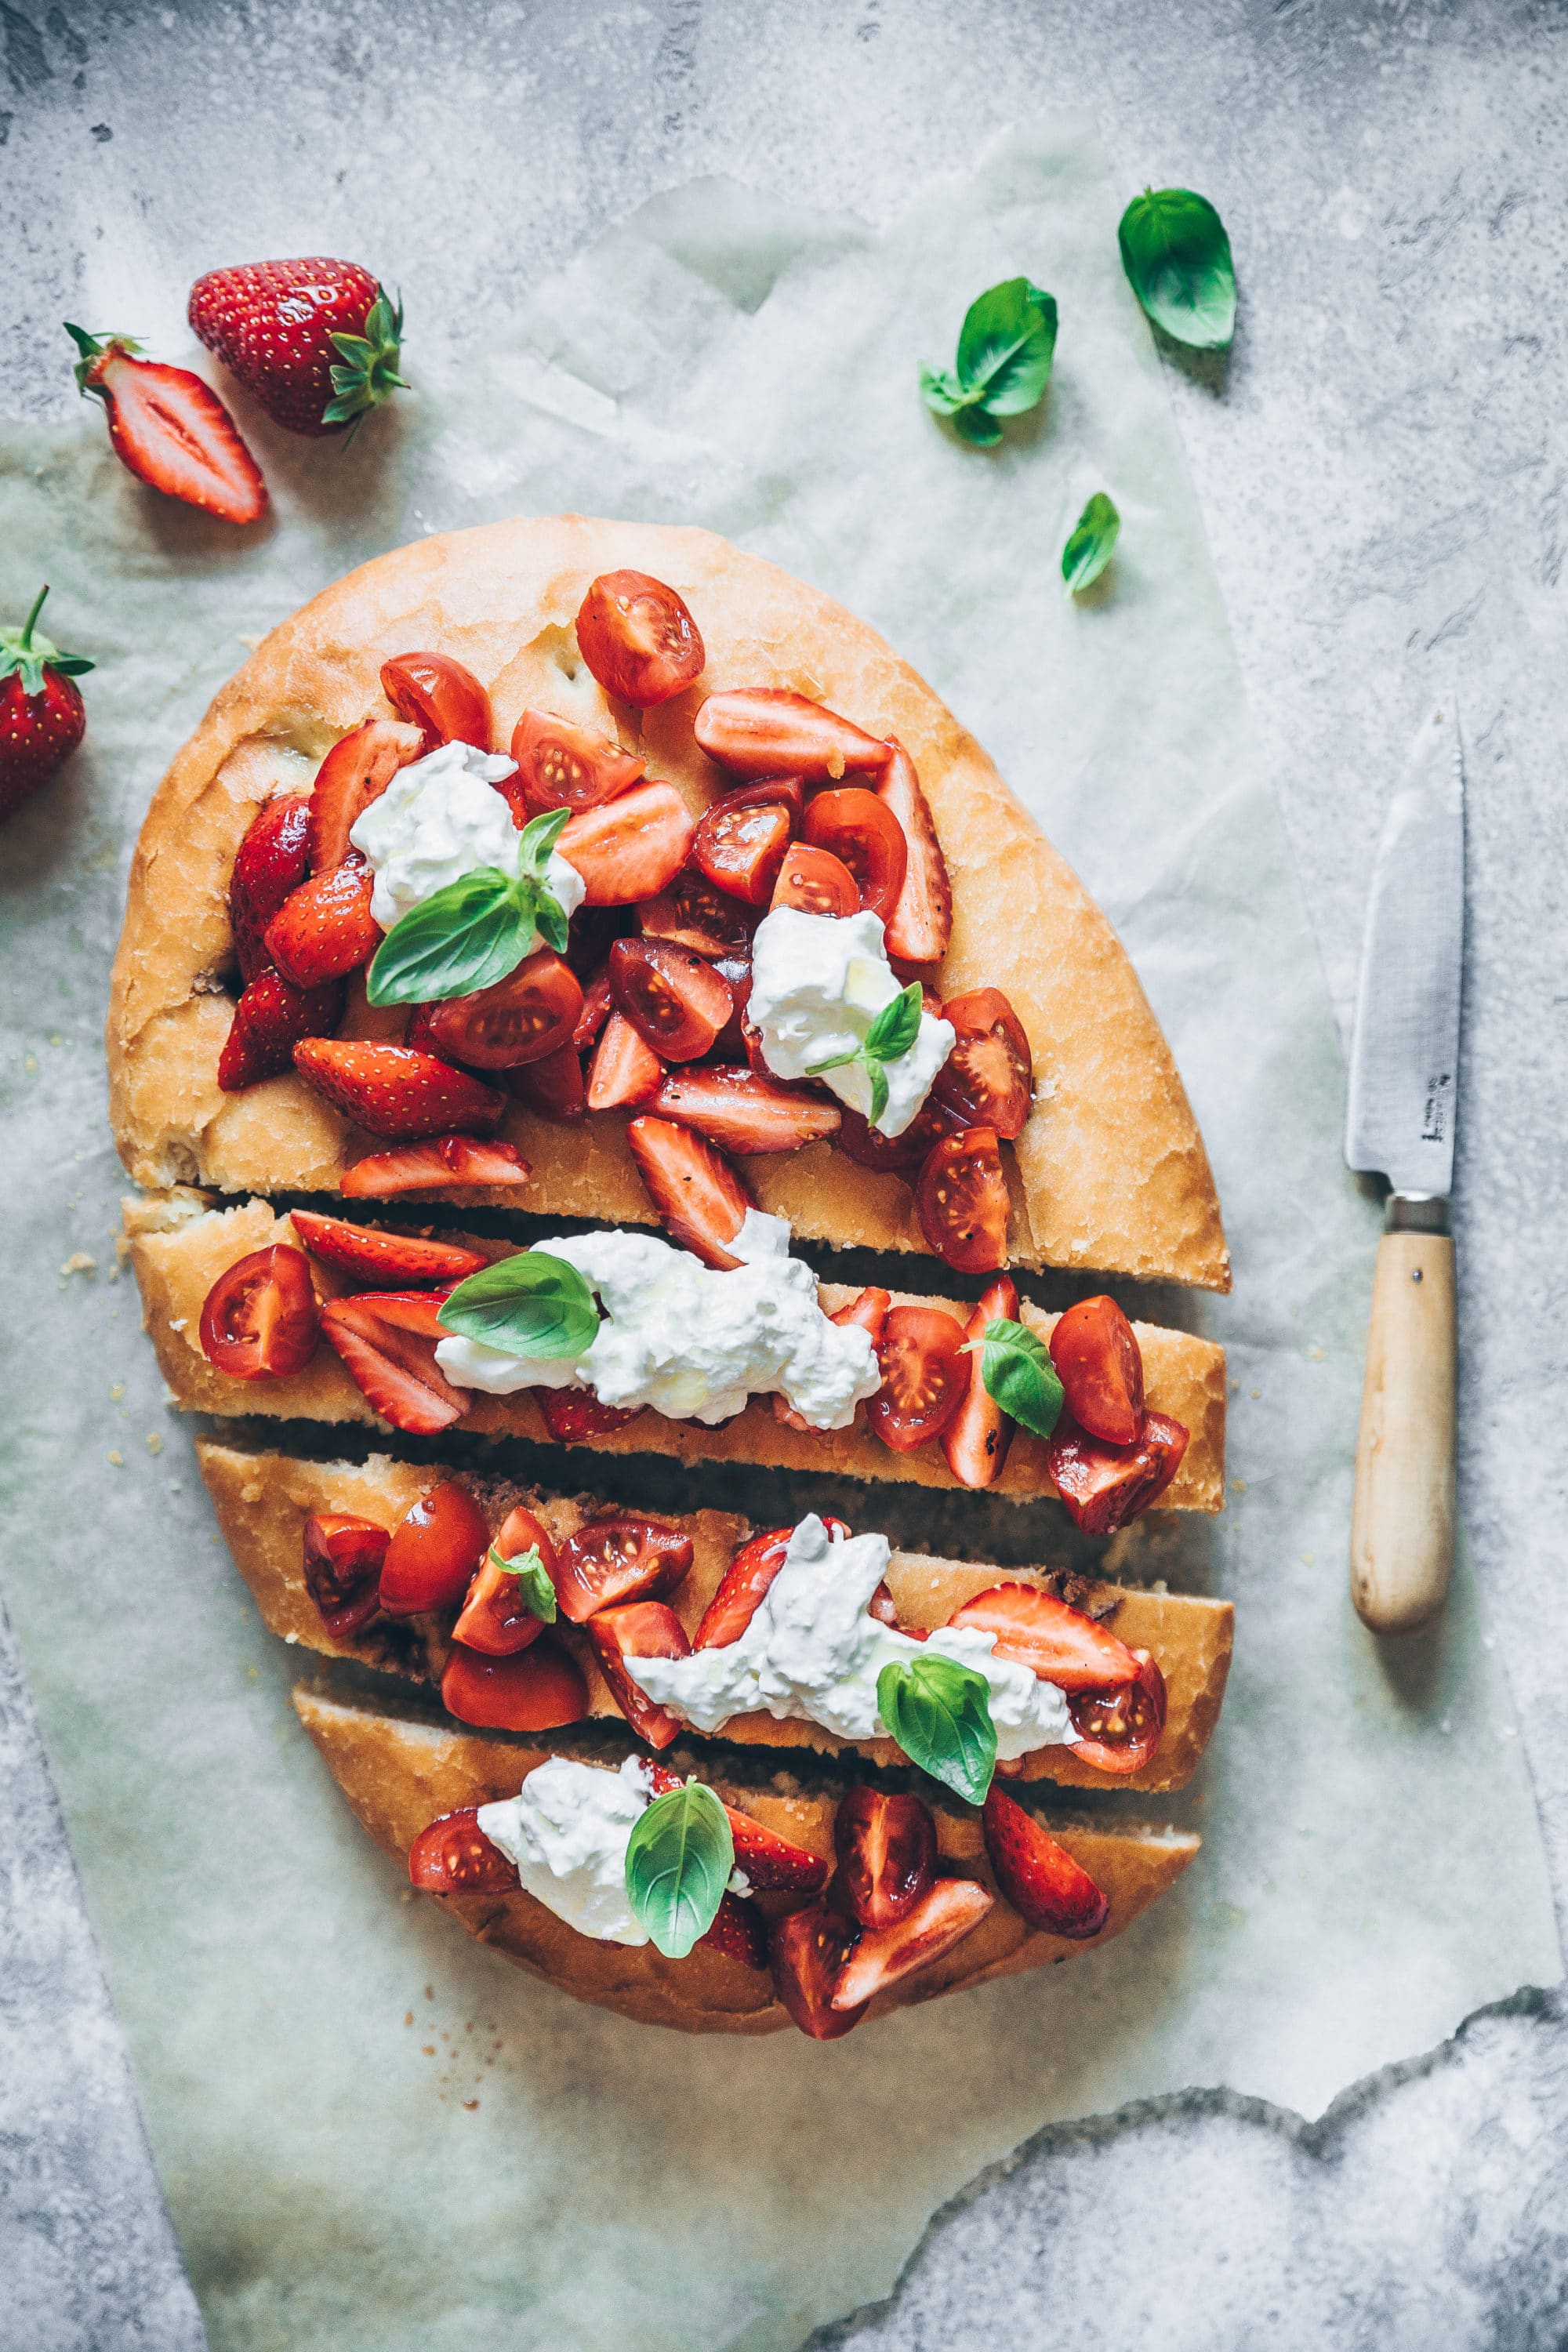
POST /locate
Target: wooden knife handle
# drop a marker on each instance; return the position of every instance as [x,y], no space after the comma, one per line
[1402,1528]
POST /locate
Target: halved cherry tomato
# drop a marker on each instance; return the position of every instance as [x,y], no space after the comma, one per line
[950,1909]
[767,731]
[896,1155]
[978,1438]
[1102,1486]
[886,1845]
[1100,1366]
[434,692]
[639,638]
[452,1855]
[816,882]
[342,1563]
[624,1073]
[355,771]
[1046,1886]
[961,1200]
[522,1018]
[631,848]
[988,1079]
[697,1194]
[387,1342]
[1121,1730]
[537,1689]
[576,1416]
[730,1046]
[864,835]
[745,1581]
[1059,1644]
[924,1375]
[745,1113]
[615,1560]
[554,1085]
[260,1320]
[741,843]
[674,999]
[806,1952]
[693,914]
[563,765]
[434,1551]
[921,925]
[642,1629]
[495,1618]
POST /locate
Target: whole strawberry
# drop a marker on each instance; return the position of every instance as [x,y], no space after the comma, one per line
[41,713]
[315,342]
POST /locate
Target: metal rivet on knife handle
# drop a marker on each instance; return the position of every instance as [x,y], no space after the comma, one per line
[1402,1528]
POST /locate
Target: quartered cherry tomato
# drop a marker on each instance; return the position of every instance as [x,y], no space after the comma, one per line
[961,1200]
[1100,1366]
[437,693]
[643,1629]
[693,914]
[434,1551]
[1121,1729]
[554,1085]
[886,1845]
[1102,1486]
[924,1375]
[630,848]
[260,1320]
[563,765]
[988,1079]
[537,1689]
[615,1560]
[639,638]
[816,882]
[742,839]
[895,1155]
[496,1617]
[529,1013]
[452,1855]
[806,1951]
[342,1563]
[864,835]
[673,998]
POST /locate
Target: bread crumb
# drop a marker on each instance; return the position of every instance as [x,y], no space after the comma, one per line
[470,2104]
[116,1392]
[428,2050]
[409,2020]
[117,1461]
[154,1443]
[78,1262]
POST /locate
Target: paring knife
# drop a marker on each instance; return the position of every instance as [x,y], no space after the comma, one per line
[1403,1095]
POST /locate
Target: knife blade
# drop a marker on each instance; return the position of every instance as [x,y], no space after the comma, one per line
[1404,1095]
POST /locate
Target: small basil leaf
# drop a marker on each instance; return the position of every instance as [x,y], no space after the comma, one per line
[538,840]
[467,936]
[533,1581]
[878,1078]
[940,1712]
[940,392]
[835,1061]
[1178,262]
[1005,346]
[896,1025]
[979,426]
[1089,548]
[528,1305]
[678,1860]
[1019,1376]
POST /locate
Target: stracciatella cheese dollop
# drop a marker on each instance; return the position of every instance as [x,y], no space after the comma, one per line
[818,981]
[692,1342]
[439,819]
[813,1651]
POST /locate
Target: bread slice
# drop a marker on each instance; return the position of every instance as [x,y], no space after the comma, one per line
[179,1245]
[1111,1170]
[263,1500]
[398,1773]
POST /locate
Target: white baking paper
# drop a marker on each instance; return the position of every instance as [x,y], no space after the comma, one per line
[373,2134]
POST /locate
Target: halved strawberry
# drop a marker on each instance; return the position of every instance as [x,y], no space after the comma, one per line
[1102,1486]
[389,1352]
[745,1581]
[806,1952]
[772,1864]
[978,1438]
[624,1073]
[699,1195]
[355,771]
[269,865]
[869,1310]
[631,848]
[739,1932]
[1046,1886]
[766,730]
[643,1629]
[885,1841]
[951,1909]
[1034,1629]
[555,1086]
[325,930]
[443,1162]
[576,1416]
[269,1021]
[387,1261]
[619,1558]
[170,428]
[744,1112]
[395,1092]
[920,925]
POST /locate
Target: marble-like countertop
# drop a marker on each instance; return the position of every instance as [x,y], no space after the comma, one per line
[1384,475]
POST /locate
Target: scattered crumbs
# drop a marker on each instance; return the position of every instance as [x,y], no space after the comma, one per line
[176,1485]
[1316,1355]
[470,2104]
[117,1461]
[1235,1387]
[469,2027]
[408,2018]
[251,638]
[155,1441]
[113,1274]
[1308,1559]
[30,1064]
[428,2050]
[116,1392]
[252,1674]
[1255,1394]
[1238,1486]
[122,1248]
[429,1992]
[54,1038]
[445,2034]
[78,1262]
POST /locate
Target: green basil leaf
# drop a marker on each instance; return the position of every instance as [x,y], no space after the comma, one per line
[550,921]
[940,392]
[978,426]
[536,841]
[940,1712]
[678,1860]
[1005,347]
[1177,258]
[1088,548]
[533,1580]
[467,936]
[878,1078]
[529,1305]
[896,1025]
[1019,1376]
[835,1061]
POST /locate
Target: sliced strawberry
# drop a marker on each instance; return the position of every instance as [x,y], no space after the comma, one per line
[920,925]
[949,1910]
[737,1932]
[675,1000]
[434,1549]
[1046,1886]
[745,1113]
[576,1416]
[625,1072]
[1103,1486]
[343,1554]
[452,1855]
[355,771]
[631,848]
[1034,1629]
[769,1863]
[325,930]
[445,1161]
[745,1581]
[393,1367]
[693,914]
[766,730]
[741,842]
[554,1087]
[269,865]
[643,1629]
[563,765]
[1100,1366]
[699,1195]
[170,429]
[269,1021]
[615,1560]
[536,1689]
[386,1261]
[885,1609]
[395,1092]
[886,1845]
[599,1004]
[806,1952]
[1121,1731]
[440,696]
[977,1440]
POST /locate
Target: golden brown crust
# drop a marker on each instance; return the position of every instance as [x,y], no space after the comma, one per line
[399,1775]
[263,1500]
[1113,1171]
[178,1248]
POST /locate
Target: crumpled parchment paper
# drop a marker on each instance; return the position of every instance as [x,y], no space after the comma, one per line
[372,2134]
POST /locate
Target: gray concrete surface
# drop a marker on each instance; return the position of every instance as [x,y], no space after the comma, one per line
[1384,470]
